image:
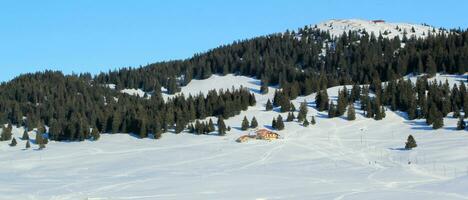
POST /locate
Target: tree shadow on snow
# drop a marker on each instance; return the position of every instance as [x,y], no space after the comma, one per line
[399,149]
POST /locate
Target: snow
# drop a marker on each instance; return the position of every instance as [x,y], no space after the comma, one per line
[335,159]
[336,27]
[135,92]
[217,82]
[110,86]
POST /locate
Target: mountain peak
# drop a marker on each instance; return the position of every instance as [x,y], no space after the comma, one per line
[336,27]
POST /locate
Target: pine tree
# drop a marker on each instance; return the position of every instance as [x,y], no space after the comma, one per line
[290,117]
[342,101]
[6,133]
[274,123]
[410,143]
[379,115]
[292,107]
[431,66]
[412,111]
[28,145]
[254,123]
[438,121]
[321,100]
[269,106]
[461,125]
[25,135]
[264,86]
[95,134]
[13,142]
[211,126]
[221,126]
[331,110]
[312,121]
[305,123]
[245,124]
[351,112]
[39,138]
[279,123]
[302,111]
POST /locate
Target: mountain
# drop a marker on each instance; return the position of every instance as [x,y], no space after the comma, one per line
[173,147]
[337,27]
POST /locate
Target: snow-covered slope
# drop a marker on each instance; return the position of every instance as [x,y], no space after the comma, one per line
[217,82]
[335,159]
[336,27]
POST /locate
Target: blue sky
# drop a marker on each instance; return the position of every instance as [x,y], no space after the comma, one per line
[94,36]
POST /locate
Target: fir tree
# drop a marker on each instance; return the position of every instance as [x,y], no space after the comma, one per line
[342,101]
[95,134]
[28,145]
[13,142]
[438,121]
[410,143]
[211,126]
[25,135]
[292,107]
[6,133]
[331,110]
[39,138]
[254,123]
[245,124]
[290,117]
[305,123]
[269,106]
[321,100]
[180,126]
[312,121]
[351,112]
[302,111]
[264,86]
[221,126]
[431,66]
[461,125]
[279,123]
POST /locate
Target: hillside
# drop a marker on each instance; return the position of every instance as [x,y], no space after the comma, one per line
[334,159]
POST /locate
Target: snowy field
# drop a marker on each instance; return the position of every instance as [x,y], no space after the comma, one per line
[335,159]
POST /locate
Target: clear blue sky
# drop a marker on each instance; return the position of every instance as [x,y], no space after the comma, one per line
[94,36]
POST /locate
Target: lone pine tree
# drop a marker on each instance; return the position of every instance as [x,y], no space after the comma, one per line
[410,142]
